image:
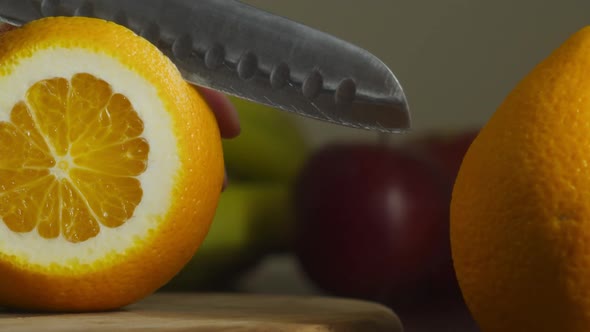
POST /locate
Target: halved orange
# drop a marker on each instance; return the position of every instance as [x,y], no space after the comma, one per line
[111,166]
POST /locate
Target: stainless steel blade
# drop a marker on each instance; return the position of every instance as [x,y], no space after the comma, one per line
[237,49]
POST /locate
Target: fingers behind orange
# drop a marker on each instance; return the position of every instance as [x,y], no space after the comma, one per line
[225,112]
[6,27]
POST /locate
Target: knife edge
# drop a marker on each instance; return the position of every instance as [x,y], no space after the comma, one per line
[218,44]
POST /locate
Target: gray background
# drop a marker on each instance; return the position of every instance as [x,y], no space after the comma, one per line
[457,59]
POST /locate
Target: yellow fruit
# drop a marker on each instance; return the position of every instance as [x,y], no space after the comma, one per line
[520,212]
[270,146]
[111,166]
[253,219]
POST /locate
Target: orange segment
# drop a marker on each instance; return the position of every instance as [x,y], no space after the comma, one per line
[22,119]
[128,158]
[20,206]
[112,198]
[77,220]
[15,179]
[18,150]
[88,96]
[49,217]
[48,102]
[115,123]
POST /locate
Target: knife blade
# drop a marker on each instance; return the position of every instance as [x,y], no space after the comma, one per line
[237,49]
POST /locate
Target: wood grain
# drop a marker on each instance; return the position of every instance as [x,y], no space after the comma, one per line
[217,312]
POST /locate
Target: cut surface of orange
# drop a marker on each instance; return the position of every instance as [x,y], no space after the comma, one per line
[111,166]
[520,210]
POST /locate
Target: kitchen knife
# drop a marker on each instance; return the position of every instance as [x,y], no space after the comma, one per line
[240,50]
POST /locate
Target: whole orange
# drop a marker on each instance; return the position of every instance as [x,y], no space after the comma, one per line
[520,211]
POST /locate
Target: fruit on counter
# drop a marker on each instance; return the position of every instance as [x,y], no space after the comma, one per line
[270,146]
[520,212]
[252,220]
[110,166]
[371,220]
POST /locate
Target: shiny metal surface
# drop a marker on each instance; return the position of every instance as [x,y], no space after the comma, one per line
[237,49]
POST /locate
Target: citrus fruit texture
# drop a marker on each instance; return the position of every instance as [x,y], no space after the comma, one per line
[111,166]
[520,211]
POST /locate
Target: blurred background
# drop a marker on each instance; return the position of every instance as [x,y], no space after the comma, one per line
[456,59]
[281,228]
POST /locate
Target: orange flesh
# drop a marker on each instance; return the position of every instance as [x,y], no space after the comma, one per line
[69,158]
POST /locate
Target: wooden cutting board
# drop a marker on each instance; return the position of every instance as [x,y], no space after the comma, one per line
[217,312]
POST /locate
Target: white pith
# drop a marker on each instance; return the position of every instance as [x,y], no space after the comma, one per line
[157,180]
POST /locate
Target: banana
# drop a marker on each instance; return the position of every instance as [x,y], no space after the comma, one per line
[252,219]
[270,146]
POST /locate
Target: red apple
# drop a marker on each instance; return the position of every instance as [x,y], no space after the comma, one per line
[446,151]
[371,220]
